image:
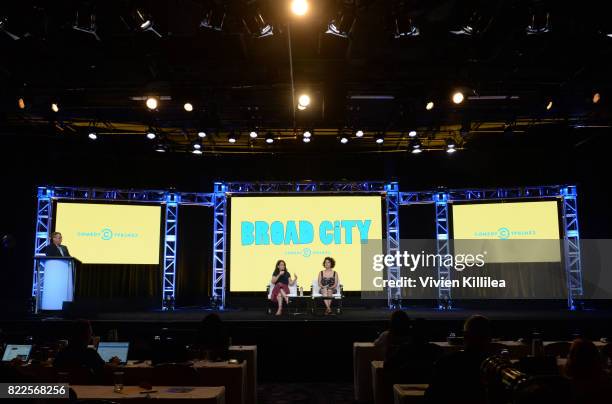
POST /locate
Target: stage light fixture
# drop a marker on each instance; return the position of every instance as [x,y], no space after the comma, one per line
[196,145]
[55,107]
[151,134]
[145,22]
[307,134]
[92,135]
[161,148]
[152,103]
[299,7]
[380,138]
[342,24]
[429,106]
[232,137]
[450,146]
[197,151]
[213,18]
[256,25]
[344,139]
[306,139]
[201,134]
[86,25]
[188,107]
[359,133]
[303,102]
[549,105]
[415,146]
[458,97]
[269,138]
[405,27]
[21,103]
[412,133]
[596,98]
[253,134]
[539,23]
[3,28]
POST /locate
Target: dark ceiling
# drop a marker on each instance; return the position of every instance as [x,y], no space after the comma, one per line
[370,80]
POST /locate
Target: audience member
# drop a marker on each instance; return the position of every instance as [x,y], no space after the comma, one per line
[213,339]
[589,381]
[456,376]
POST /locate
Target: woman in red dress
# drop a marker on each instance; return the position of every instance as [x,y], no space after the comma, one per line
[281,278]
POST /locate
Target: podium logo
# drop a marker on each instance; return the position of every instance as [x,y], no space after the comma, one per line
[107,234]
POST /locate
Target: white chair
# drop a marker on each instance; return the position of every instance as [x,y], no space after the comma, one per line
[315,292]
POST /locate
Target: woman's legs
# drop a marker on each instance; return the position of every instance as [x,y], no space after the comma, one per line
[285,296]
[327,292]
[279,300]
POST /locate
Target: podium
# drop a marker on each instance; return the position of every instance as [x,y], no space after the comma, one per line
[55,281]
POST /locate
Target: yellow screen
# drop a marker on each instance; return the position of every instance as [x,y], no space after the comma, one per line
[302,230]
[508,227]
[110,234]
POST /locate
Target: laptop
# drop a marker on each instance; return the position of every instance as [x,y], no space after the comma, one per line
[107,350]
[13,351]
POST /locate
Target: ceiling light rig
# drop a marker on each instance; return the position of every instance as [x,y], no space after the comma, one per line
[299,7]
[152,103]
[269,138]
[379,138]
[415,146]
[86,24]
[342,24]
[145,22]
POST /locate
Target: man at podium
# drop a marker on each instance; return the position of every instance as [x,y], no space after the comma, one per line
[56,249]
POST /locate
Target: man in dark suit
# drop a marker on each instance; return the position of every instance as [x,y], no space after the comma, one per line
[56,249]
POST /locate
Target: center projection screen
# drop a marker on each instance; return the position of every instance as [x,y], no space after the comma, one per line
[302,231]
[97,233]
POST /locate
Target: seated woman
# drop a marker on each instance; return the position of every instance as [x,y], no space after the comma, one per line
[281,278]
[328,282]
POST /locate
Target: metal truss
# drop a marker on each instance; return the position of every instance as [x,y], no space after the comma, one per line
[571,245]
[170,249]
[44,218]
[171,201]
[219,198]
[305,186]
[393,241]
[571,236]
[442,247]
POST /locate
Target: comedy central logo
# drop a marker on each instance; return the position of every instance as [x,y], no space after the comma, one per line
[107,234]
[504,233]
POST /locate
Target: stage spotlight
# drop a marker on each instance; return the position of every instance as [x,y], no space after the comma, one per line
[55,107]
[201,134]
[344,139]
[342,24]
[596,98]
[458,97]
[86,25]
[255,23]
[151,134]
[303,101]
[161,148]
[188,107]
[214,17]
[145,22]
[92,135]
[21,103]
[253,135]
[269,138]
[359,133]
[429,106]
[549,105]
[232,137]
[412,133]
[450,146]
[415,146]
[539,23]
[151,103]
[306,139]
[405,27]
[380,138]
[3,28]
[196,145]
[299,7]
[307,134]
[196,151]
